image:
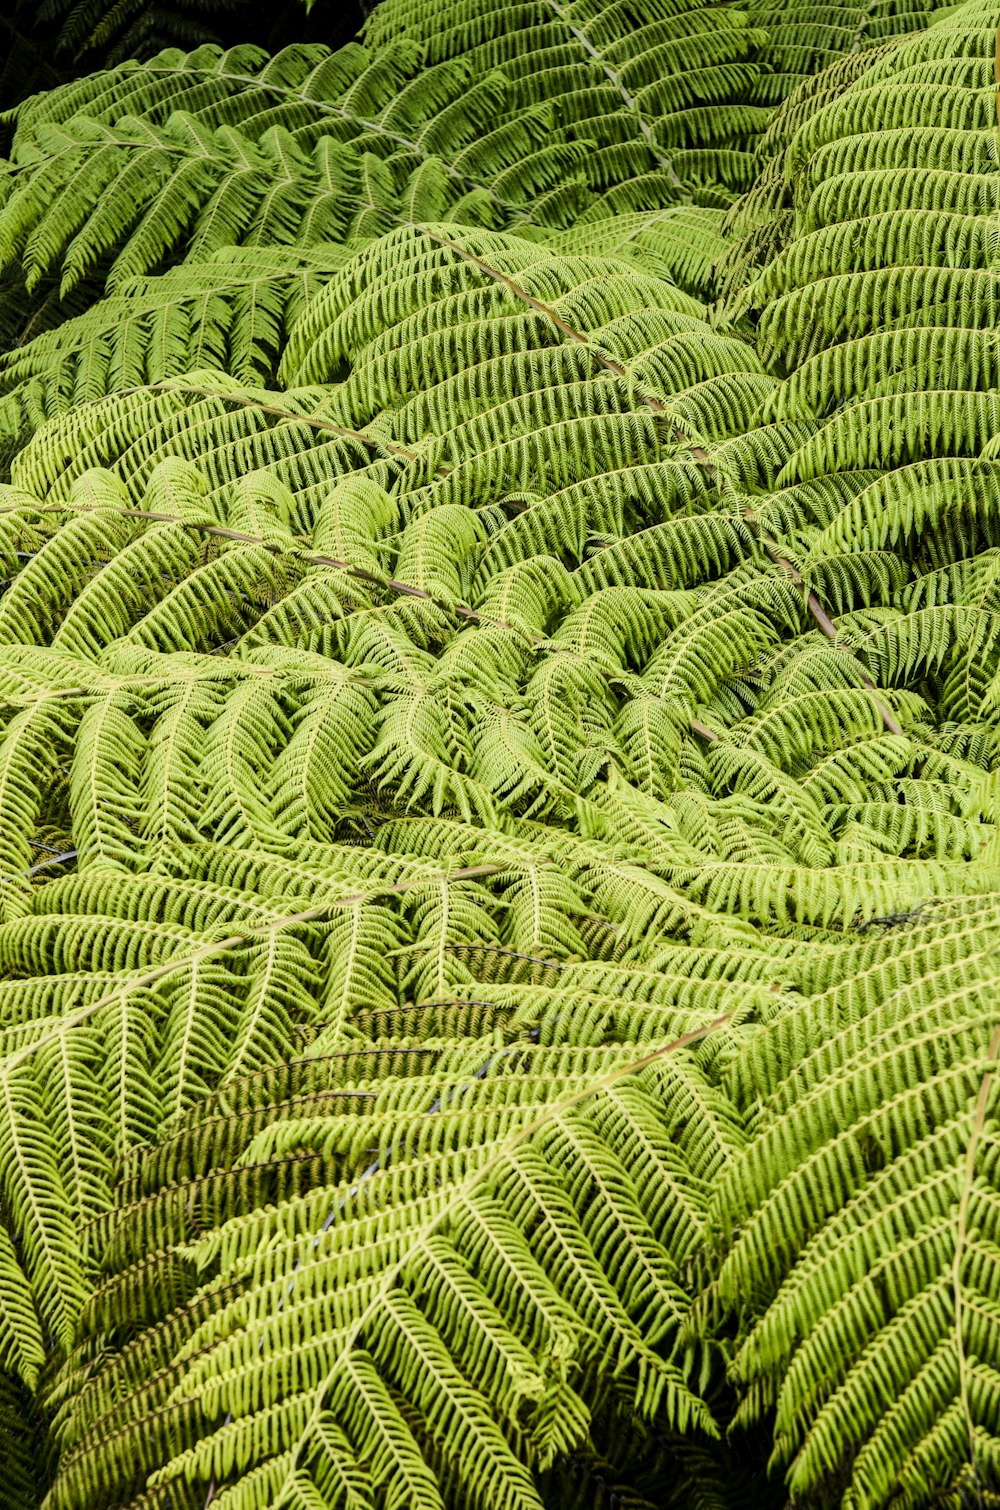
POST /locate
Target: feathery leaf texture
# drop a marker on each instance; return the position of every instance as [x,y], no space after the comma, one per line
[499,717]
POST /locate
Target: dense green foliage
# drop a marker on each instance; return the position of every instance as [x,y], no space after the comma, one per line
[500,695]
[47,43]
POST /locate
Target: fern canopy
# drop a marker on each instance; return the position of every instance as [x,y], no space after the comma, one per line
[499,666]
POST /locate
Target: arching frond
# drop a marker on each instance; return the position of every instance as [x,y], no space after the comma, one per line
[498,780]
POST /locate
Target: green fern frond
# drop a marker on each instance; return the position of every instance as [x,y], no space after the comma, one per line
[497,766]
[908,1191]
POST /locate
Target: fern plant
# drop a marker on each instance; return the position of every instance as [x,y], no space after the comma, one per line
[860,1246]
[497,775]
[177,152]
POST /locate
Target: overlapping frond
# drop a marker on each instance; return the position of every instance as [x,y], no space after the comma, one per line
[498,802]
[803,41]
[860,1242]
[536,117]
